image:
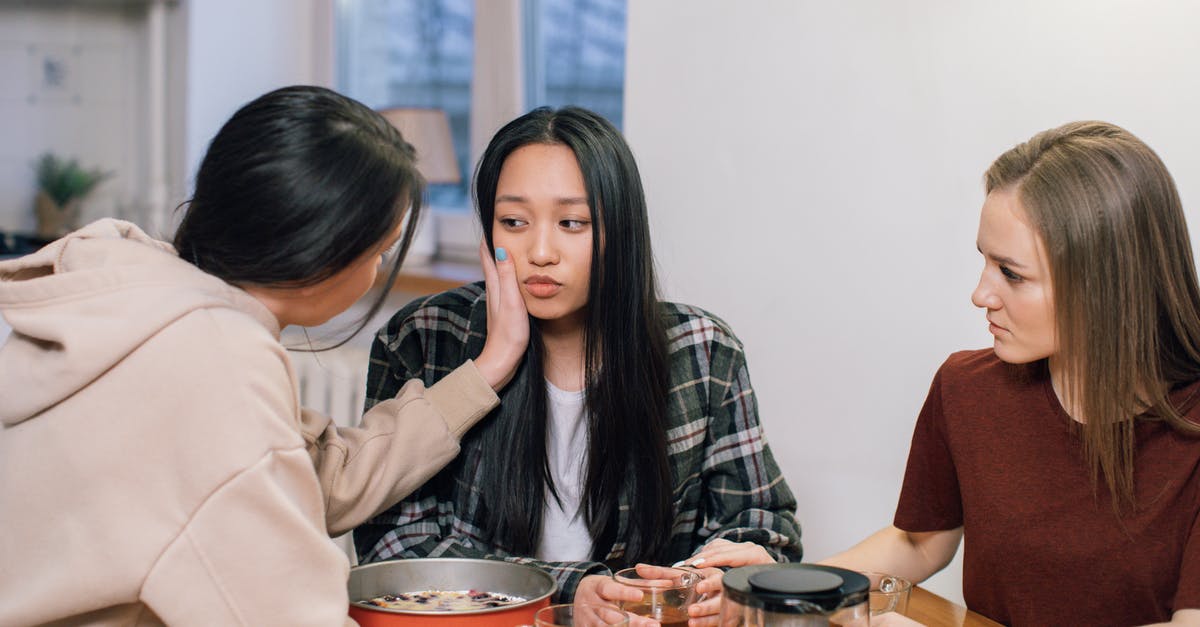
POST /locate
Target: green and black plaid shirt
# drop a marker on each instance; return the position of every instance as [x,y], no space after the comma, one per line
[727,484]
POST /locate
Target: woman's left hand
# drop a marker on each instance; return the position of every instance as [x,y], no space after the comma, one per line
[716,553]
[721,552]
[706,611]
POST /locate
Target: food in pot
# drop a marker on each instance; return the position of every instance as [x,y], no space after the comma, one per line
[444,600]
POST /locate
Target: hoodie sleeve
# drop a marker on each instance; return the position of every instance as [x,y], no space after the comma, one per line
[251,546]
[254,553]
[401,443]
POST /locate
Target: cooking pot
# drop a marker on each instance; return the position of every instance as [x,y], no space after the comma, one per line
[416,575]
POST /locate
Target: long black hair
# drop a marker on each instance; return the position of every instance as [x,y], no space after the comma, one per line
[295,187]
[625,366]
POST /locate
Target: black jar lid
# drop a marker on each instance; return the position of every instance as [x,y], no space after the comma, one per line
[795,588]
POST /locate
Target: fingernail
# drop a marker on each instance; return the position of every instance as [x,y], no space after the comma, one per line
[501,254]
[678,564]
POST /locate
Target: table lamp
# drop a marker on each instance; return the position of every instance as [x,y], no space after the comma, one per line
[428,130]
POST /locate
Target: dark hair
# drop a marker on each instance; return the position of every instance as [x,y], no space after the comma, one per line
[1126,300]
[625,357]
[295,187]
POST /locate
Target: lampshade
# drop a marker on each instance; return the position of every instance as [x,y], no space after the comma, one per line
[428,130]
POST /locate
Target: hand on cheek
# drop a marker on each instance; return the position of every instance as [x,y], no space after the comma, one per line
[507,320]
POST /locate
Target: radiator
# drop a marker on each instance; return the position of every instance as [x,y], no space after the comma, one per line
[334,383]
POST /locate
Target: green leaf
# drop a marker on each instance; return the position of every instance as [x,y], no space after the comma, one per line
[64,180]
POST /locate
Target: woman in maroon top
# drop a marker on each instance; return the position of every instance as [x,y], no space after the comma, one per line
[1067,455]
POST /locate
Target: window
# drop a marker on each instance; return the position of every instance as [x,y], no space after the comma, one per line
[575,54]
[422,53]
[413,53]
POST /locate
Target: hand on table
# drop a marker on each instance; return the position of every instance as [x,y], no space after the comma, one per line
[507,320]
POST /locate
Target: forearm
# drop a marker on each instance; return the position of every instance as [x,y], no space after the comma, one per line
[401,444]
[746,498]
[1181,618]
[913,555]
[780,535]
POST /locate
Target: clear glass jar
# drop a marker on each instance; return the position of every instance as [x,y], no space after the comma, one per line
[794,595]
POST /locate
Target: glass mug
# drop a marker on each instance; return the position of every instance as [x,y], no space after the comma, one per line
[579,615]
[666,593]
[889,593]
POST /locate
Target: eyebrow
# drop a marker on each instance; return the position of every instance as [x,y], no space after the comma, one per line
[1000,259]
[569,200]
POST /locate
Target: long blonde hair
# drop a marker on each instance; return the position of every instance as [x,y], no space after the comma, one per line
[1127,306]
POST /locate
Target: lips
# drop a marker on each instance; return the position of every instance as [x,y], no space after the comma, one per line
[542,286]
[994,328]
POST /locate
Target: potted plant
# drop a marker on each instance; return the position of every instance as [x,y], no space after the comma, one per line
[62,186]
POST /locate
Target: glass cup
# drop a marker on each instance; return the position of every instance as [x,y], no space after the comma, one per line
[580,615]
[666,592]
[889,593]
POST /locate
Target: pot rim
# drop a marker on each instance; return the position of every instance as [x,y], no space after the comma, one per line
[464,560]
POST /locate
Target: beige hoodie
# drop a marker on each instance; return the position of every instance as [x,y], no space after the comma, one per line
[155,466]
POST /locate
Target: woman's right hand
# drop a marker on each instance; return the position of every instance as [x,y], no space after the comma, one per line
[507,320]
[602,590]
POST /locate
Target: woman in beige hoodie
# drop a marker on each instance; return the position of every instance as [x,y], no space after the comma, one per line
[155,465]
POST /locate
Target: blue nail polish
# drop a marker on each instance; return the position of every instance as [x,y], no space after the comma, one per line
[501,254]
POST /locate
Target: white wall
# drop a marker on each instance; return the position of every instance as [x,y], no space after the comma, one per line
[68,84]
[240,50]
[218,54]
[814,176]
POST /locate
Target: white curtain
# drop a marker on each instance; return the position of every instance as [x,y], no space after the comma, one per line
[497,88]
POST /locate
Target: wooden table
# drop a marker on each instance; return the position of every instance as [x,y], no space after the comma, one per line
[932,610]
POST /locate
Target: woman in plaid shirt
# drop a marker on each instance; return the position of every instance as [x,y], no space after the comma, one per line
[630,433]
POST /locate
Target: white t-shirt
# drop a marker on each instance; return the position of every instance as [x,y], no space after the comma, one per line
[564,531]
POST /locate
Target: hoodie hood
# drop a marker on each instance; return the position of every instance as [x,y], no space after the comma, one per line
[83,303]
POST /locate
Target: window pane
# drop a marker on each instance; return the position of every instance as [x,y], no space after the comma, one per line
[412,53]
[578,55]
